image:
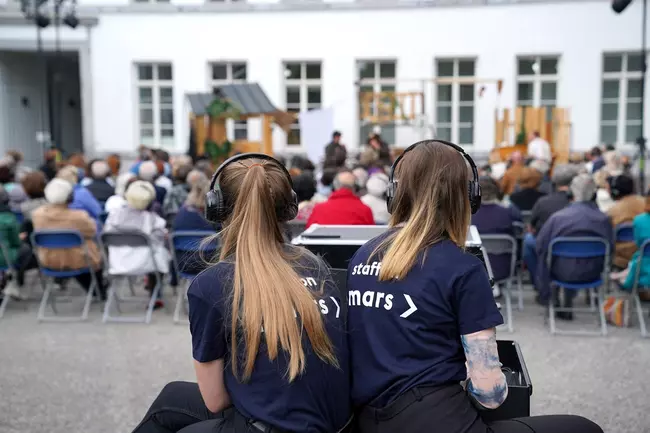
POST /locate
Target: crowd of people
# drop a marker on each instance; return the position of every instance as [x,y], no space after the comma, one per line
[589,197]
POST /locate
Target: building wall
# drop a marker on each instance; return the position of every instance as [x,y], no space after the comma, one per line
[22,93]
[579,32]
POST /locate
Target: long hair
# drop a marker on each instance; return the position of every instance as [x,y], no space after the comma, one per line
[268,296]
[431,203]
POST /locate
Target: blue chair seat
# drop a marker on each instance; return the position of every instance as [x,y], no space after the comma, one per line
[578,286]
[66,273]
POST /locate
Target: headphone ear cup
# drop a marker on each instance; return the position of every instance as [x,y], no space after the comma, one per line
[390,193]
[214,207]
[474,191]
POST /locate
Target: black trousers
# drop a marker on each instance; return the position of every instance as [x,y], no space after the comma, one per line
[450,411]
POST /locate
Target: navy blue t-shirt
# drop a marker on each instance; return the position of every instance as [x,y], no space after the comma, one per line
[404,334]
[317,401]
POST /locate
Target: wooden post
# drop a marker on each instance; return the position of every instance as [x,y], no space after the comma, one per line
[200,134]
[267,135]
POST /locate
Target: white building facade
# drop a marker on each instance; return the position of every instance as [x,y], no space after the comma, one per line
[132,64]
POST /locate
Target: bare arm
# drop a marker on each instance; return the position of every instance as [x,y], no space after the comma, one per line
[209,376]
[486,384]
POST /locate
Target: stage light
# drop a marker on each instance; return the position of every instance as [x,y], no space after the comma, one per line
[41,21]
[620,5]
[71,20]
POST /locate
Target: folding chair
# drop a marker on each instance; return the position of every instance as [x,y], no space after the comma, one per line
[644,253]
[8,267]
[186,245]
[62,240]
[579,247]
[624,232]
[520,232]
[134,239]
[504,244]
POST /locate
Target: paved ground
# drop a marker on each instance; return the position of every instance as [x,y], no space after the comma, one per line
[90,377]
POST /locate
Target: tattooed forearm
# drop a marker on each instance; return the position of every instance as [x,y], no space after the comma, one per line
[487,383]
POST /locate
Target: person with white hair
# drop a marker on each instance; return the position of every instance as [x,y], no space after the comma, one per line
[117,200]
[82,199]
[57,215]
[148,171]
[136,216]
[581,218]
[375,198]
[99,184]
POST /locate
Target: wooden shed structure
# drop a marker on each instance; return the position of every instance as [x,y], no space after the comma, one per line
[251,102]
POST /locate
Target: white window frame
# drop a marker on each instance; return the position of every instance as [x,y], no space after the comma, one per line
[623,77]
[303,83]
[456,103]
[377,83]
[232,126]
[155,84]
[537,79]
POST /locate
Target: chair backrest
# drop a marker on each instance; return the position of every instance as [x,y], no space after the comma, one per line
[624,232]
[578,248]
[519,229]
[57,239]
[501,244]
[19,217]
[125,238]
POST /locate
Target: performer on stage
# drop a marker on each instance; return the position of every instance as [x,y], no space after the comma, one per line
[422,317]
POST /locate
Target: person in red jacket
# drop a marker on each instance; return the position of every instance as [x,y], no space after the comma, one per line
[343,207]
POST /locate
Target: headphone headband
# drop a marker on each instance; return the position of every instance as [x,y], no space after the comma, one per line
[241,156]
[474,187]
[217,209]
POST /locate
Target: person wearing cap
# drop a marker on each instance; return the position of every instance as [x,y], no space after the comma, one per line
[335,152]
[627,205]
[136,215]
[546,206]
[57,215]
[581,218]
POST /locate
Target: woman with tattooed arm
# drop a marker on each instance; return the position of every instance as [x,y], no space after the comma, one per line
[422,318]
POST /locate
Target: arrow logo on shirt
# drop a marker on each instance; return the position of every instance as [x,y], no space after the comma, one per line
[338,309]
[412,308]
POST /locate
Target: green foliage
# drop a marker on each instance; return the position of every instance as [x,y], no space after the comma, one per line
[522,136]
[217,152]
[223,108]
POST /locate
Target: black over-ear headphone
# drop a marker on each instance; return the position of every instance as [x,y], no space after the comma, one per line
[218,207]
[474,188]
[614,191]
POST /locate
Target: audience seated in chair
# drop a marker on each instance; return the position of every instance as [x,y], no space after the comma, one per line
[546,206]
[375,198]
[511,176]
[191,216]
[148,171]
[495,218]
[34,186]
[124,260]
[641,224]
[9,234]
[304,185]
[57,215]
[527,196]
[175,198]
[82,199]
[627,206]
[14,189]
[117,200]
[343,207]
[580,219]
[99,184]
[324,185]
